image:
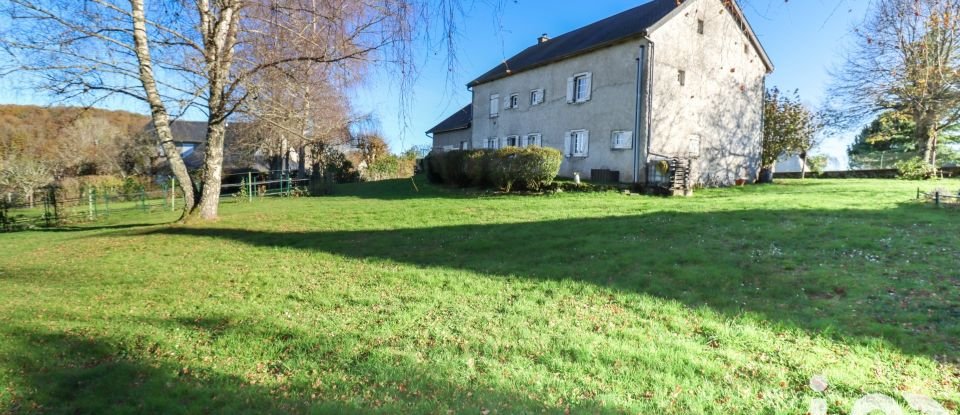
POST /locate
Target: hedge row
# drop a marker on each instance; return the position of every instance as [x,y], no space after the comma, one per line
[529,168]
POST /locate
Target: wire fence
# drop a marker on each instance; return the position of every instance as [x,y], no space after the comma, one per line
[49,207]
[940,197]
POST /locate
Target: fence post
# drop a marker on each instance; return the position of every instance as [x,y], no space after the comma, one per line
[936,197]
[918,193]
[90,208]
[106,203]
[173,194]
[249,186]
[143,200]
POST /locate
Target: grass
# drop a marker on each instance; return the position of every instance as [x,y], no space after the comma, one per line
[382,299]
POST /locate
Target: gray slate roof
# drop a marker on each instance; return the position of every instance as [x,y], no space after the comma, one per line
[616,28]
[460,120]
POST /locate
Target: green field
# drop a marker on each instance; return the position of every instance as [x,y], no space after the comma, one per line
[383,299]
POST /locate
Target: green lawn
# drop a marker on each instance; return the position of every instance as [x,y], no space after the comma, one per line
[383,299]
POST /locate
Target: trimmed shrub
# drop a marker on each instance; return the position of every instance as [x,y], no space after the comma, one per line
[433,163]
[915,169]
[476,165]
[529,168]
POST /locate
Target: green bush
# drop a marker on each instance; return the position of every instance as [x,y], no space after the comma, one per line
[529,168]
[508,168]
[476,165]
[915,169]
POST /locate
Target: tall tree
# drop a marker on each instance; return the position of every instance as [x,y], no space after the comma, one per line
[789,128]
[908,59]
[177,55]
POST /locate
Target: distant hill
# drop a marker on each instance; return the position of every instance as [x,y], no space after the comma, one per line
[32,131]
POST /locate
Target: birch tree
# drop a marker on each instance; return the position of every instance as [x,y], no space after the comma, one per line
[180,55]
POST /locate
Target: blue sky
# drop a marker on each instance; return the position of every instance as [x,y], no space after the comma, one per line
[805,39]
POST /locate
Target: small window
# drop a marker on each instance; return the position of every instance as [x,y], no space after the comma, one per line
[622,140]
[531,140]
[578,88]
[464,145]
[536,97]
[577,143]
[700,26]
[512,141]
[682,77]
[514,101]
[494,106]
[746,48]
[492,143]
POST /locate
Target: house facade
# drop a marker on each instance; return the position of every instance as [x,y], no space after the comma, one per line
[662,81]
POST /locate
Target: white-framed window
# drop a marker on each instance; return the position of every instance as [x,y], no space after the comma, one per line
[682,77]
[464,145]
[493,143]
[577,143]
[536,97]
[513,102]
[512,141]
[531,140]
[621,140]
[494,105]
[693,146]
[579,88]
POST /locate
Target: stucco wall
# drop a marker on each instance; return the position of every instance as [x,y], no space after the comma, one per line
[451,138]
[612,107]
[721,101]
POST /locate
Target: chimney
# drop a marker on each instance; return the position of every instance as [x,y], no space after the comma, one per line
[543,39]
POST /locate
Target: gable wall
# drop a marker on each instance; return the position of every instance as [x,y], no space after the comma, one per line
[721,101]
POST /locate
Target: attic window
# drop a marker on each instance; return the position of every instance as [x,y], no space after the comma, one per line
[682,77]
[700,26]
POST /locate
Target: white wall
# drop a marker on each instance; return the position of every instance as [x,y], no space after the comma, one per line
[721,101]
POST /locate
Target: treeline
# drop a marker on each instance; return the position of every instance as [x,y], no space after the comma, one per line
[40,145]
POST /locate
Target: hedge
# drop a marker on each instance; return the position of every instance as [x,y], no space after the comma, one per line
[510,168]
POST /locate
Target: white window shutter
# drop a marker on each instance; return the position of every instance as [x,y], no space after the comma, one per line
[494,105]
[523,141]
[589,87]
[586,143]
[567,137]
[570,87]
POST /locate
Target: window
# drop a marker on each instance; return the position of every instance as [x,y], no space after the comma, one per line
[578,88]
[536,97]
[682,77]
[700,26]
[622,140]
[464,145]
[492,143]
[746,48]
[187,148]
[512,141]
[531,140]
[513,102]
[577,142]
[494,106]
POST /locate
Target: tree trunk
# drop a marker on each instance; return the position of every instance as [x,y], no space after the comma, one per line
[926,137]
[158,111]
[766,175]
[212,173]
[803,165]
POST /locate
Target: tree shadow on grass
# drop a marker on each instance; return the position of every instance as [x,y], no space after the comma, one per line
[64,372]
[858,276]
